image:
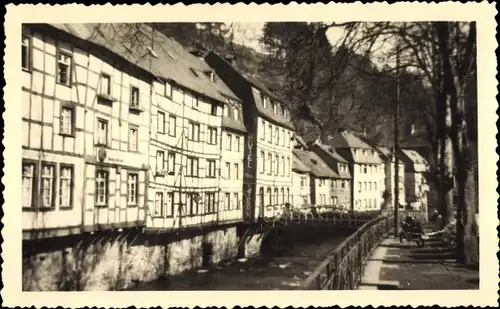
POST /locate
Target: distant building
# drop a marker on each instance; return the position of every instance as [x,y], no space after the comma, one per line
[417,188]
[365,166]
[301,187]
[341,187]
[267,180]
[387,157]
[321,177]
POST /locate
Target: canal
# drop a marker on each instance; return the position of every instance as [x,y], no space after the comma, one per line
[283,270]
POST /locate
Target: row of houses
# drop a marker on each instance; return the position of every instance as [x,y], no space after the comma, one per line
[346,172]
[123,127]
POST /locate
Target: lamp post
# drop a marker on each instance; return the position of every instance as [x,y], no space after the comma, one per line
[396,144]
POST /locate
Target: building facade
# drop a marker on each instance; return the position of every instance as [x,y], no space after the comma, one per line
[416,185]
[390,169]
[321,178]
[365,166]
[267,181]
[85,134]
[341,187]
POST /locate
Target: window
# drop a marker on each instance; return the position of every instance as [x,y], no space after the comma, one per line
[285,112]
[134,96]
[192,167]
[28,184]
[64,68]
[160,122]
[283,172]
[105,85]
[226,111]
[132,139]
[213,109]
[168,90]
[277,136]
[171,125]
[169,211]
[160,161]
[332,183]
[47,185]
[277,165]
[236,114]
[236,201]
[269,163]
[193,199]
[360,186]
[26,53]
[366,186]
[227,201]
[276,197]
[283,137]
[262,129]
[211,168]
[270,132]
[369,186]
[67,117]
[236,171]
[342,184]
[375,186]
[264,101]
[273,104]
[132,186]
[101,188]
[288,166]
[229,141]
[269,196]
[158,210]
[212,136]
[228,170]
[194,131]
[365,170]
[65,186]
[287,195]
[196,103]
[302,182]
[262,162]
[237,141]
[210,202]
[171,163]
[282,196]
[102,132]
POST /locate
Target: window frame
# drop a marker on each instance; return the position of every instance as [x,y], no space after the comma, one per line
[136,193]
[170,205]
[69,54]
[132,103]
[34,184]
[171,158]
[165,93]
[29,50]
[71,107]
[162,202]
[105,172]
[105,121]
[229,142]
[211,168]
[132,127]
[172,118]
[54,178]
[212,135]
[102,77]
[71,167]
[160,129]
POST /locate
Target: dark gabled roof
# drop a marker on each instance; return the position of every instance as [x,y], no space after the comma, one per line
[414,156]
[317,166]
[345,139]
[257,86]
[298,165]
[173,62]
[331,152]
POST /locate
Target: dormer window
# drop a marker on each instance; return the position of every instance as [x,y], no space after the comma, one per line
[285,112]
[264,101]
[168,90]
[210,75]
[236,114]
[273,104]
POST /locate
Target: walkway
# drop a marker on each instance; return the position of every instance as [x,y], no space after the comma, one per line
[396,266]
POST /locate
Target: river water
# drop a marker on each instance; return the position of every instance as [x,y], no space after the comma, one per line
[283,271]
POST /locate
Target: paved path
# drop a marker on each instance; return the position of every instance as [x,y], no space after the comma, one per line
[396,266]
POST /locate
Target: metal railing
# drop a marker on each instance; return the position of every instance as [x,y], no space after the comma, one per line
[343,269]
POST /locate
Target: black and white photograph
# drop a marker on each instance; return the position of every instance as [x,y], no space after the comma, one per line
[181,149]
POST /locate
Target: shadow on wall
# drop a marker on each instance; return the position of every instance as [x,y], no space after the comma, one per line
[119,260]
